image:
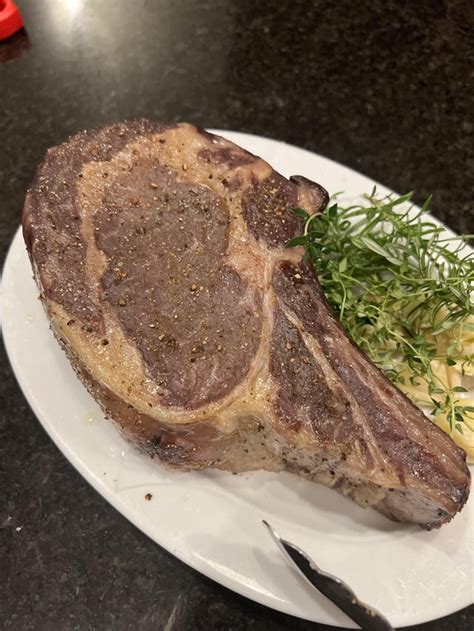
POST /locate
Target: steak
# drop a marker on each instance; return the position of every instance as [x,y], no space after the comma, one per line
[159,251]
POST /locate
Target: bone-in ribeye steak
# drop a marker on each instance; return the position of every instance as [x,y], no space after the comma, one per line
[160,256]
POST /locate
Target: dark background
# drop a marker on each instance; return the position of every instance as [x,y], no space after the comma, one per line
[384,87]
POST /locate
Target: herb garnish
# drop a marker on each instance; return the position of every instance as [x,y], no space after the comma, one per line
[403,291]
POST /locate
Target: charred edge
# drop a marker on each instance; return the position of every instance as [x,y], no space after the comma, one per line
[320,193]
[207,134]
[27,226]
[167,451]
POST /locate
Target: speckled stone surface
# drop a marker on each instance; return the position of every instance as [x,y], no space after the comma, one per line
[384,87]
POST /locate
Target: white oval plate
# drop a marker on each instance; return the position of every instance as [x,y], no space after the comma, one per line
[211,520]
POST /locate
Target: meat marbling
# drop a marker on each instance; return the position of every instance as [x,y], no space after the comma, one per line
[159,251]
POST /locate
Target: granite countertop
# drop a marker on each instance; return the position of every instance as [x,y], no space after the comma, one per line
[382,87]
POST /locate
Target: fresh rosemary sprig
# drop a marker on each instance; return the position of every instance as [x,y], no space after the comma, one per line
[400,288]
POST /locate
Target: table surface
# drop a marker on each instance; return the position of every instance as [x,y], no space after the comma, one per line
[382,87]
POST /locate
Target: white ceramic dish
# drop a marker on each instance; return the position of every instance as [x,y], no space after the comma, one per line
[211,520]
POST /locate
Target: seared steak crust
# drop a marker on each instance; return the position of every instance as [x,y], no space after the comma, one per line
[160,255]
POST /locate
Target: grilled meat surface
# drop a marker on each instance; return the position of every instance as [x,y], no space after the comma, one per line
[159,251]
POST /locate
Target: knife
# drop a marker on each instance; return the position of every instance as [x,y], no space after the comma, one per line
[332,587]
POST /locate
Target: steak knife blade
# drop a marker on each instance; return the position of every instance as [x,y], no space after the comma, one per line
[332,587]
